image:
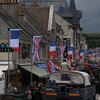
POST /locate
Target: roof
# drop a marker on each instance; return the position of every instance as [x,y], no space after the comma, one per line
[14,24]
[41,16]
[75,77]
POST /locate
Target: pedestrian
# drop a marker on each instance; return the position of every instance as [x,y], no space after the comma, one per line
[40,85]
[85,64]
[33,87]
[29,94]
[64,66]
[73,65]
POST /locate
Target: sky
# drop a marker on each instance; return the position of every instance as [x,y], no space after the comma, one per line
[90,21]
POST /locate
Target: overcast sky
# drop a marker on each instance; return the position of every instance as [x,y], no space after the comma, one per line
[91,15]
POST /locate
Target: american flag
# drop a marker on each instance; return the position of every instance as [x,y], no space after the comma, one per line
[36,41]
[62,48]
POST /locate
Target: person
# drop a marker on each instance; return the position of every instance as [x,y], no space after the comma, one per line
[29,95]
[34,86]
[36,94]
[85,64]
[40,85]
[73,65]
[64,66]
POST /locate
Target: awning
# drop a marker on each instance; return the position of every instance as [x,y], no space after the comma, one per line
[34,69]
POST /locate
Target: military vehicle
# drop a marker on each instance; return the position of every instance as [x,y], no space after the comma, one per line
[69,85]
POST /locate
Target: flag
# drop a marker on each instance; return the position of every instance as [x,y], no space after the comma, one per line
[89,54]
[81,53]
[70,52]
[36,41]
[52,67]
[77,54]
[14,39]
[52,51]
[93,54]
[62,48]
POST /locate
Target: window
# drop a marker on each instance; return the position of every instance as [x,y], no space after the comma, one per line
[65,77]
[26,51]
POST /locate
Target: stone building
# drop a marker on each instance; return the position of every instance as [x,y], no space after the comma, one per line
[50,20]
[32,21]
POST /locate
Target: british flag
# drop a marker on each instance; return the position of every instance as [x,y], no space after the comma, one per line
[36,41]
[52,67]
[77,54]
[62,48]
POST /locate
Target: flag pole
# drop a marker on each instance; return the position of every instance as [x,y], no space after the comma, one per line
[31,61]
[8,56]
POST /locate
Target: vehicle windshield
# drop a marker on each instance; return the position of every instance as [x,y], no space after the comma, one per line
[67,78]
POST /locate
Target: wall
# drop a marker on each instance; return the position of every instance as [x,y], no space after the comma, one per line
[68,33]
[4,56]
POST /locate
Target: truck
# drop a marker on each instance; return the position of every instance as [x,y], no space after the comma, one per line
[68,85]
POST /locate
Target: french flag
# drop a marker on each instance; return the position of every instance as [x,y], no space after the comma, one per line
[14,39]
[81,53]
[52,51]
[89,53]
[70,51]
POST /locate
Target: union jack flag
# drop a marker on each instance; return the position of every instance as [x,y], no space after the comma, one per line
[62,48]
[52,67]
[77,54]
[36,41]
